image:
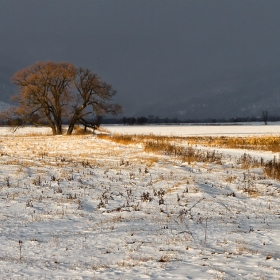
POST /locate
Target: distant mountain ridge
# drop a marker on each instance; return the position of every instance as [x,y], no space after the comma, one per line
[240,95]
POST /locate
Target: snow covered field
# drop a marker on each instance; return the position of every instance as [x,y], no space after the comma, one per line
[240,129]
[86,208]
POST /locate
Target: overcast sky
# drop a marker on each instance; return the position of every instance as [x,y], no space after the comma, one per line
[143,48]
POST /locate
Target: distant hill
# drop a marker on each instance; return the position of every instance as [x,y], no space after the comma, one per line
[239,95]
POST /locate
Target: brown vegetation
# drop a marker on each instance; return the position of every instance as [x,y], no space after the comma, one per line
[265,143]
[173,146]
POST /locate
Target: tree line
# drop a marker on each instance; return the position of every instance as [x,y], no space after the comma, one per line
[169,120]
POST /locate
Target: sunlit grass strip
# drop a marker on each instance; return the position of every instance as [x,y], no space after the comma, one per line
[167,146]
[118,138]
[136,138]
[186,154]
[172,146]
[265,143]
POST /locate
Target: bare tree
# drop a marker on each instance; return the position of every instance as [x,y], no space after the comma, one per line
[124,120]
[151,118]
[44,91]
[91,98]
[50,92]
[93,124]
[265,117]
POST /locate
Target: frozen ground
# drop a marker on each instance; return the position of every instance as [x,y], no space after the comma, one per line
[239,129]
[86,208]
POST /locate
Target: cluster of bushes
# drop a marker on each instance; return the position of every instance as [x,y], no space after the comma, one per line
[156,120]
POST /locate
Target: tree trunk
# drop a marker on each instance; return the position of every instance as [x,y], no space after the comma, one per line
[59,129]
[73,121]
[71,125]
[70,128]
[58,125]
[53,130]
[51,124]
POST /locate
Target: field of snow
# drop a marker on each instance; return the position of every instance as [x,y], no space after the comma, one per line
[240,129]
[80,207]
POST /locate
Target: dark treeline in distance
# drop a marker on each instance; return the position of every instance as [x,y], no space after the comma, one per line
[156,120]
[99,120]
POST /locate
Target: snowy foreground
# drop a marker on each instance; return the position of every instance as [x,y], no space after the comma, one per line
[84,208]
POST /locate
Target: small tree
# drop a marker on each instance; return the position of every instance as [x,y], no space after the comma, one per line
[151,118]
[265,117]
[124,120]
[142,120]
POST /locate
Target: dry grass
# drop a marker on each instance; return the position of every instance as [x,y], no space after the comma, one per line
[247,161]
[151,161]
[243,248]
[174,188]
[230,179]
[265,143]
[272,169]
[170,146]
[173,146]
[136,139]
[253,193]
[118,138]
[81,131]
[165,258]
[103,130]
[35,134]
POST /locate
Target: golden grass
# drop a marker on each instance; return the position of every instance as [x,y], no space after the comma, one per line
[176,147]
[35,134]
[151,161]
[102,129]
[118,138]
[136,139]
[265,142]
[230,179]
[174,188]
[183,148]
[170,146]
[253,193]
[81,131]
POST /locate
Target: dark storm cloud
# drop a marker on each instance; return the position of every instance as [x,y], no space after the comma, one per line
[149,50]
